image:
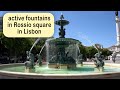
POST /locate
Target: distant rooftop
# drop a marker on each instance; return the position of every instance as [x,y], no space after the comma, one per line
[112,48]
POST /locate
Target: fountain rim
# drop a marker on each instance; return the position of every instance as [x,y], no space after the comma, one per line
[66,39]
[59,75]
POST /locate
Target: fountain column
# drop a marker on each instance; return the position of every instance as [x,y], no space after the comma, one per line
[60,51]
[117,31]
[116,53]
[62,23]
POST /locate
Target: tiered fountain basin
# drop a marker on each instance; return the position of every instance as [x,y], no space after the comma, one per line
[60,52]
[87,71]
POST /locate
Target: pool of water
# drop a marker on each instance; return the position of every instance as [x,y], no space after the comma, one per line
[85,69]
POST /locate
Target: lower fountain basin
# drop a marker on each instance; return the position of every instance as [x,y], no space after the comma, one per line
[17,71]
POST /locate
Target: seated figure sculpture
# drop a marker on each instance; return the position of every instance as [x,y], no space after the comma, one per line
[30,63]
[39,60]
[99,60]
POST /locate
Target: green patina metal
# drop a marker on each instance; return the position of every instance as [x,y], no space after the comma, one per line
[61,50]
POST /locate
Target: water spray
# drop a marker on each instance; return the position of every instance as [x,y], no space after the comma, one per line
[34,44]
[84,37]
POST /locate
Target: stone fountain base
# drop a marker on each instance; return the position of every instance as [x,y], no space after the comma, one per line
[53,65]
[27,70]
[21,75]
[62,66]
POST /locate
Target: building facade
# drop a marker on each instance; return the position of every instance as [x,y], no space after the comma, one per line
[112,48]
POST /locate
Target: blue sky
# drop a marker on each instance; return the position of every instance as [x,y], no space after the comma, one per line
[89,27]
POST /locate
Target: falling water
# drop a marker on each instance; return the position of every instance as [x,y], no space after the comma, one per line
[84,37]
[78,48]
[42,48]
[34,44]
[47,53]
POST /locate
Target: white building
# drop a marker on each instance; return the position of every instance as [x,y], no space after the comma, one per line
[112,48]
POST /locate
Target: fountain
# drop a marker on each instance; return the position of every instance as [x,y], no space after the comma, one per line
[62,52]
[63,60]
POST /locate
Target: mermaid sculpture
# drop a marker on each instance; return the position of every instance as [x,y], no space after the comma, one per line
[99,60]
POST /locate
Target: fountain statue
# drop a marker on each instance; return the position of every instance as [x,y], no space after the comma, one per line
[39,61]
[114,54]
[99,61]
[62,23]
[29,64]
[62,52]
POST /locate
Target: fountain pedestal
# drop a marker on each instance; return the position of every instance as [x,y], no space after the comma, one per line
[73,66]
[62,53]
[53,65]
[62,66]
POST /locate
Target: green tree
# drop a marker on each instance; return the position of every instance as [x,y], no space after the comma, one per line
[16,46]
[106,52]
[90,52]
[83,51]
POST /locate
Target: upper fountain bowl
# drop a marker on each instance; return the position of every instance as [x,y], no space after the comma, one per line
[62,22]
